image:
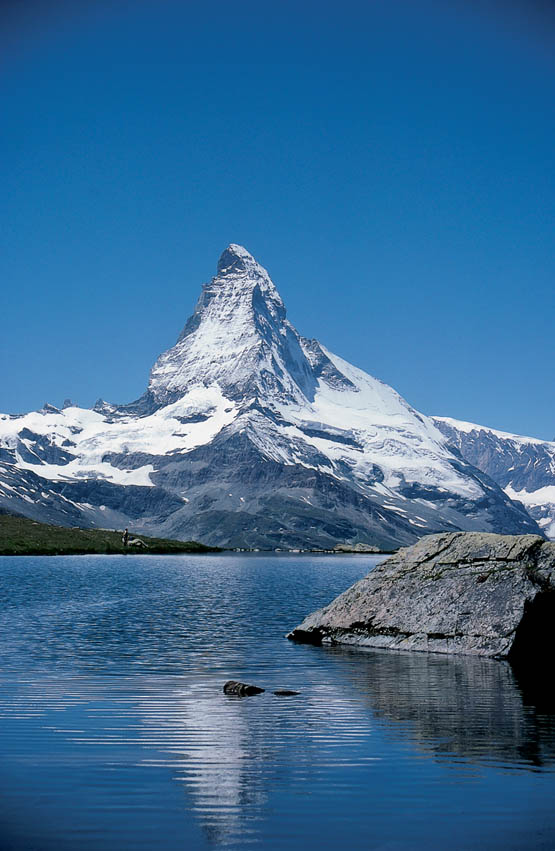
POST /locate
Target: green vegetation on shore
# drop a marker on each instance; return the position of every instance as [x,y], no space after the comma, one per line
[21,536]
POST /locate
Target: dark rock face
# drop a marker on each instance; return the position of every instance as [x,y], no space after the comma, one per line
[509,459]
[85,504]
[466,592]
[241,689]
[42,450]
[238,497]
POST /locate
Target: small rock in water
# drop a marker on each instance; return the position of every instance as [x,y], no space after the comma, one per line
[285,692]
[241,689]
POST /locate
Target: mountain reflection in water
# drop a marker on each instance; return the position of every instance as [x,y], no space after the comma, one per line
[232,753]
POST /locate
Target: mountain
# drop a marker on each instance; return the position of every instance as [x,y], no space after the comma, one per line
[250,435]
[523,466]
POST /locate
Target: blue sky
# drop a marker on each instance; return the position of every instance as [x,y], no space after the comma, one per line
[391,164]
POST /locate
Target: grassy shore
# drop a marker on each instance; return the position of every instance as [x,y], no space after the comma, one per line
[21,536]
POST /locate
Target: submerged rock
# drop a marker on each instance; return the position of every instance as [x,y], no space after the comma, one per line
[285,692]
[461,592]
[241,689]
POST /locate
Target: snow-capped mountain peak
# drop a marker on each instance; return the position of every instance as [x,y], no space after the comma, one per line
[240,279]
[238,338]
[235,259]
[250,435]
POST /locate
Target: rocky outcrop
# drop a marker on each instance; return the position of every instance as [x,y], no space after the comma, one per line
[465,592]
[356,548]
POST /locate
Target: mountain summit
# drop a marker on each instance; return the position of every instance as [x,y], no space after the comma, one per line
[238,338]
[250,435]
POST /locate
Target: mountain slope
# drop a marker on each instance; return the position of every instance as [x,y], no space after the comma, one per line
[523,466]
[250,435]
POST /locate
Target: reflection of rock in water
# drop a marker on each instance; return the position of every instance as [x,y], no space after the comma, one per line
[454,704]
[535,682]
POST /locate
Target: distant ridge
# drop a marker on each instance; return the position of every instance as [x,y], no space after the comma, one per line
[523,466]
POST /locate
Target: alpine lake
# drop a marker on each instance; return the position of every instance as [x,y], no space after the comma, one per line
[115,732]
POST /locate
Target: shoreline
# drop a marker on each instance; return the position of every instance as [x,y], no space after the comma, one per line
[21,536]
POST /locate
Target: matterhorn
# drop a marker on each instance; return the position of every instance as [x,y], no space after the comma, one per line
[250,435]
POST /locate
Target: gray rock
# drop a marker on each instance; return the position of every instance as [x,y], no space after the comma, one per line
[241,689]
[462,592]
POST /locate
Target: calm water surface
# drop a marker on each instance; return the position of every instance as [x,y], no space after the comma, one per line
[115,733]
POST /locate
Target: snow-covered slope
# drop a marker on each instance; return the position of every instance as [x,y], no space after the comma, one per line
[237,339]
[250,435]
[523,466]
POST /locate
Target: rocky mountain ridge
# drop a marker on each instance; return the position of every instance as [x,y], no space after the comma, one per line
[523,466]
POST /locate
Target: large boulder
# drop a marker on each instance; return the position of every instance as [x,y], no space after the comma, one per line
[462,592]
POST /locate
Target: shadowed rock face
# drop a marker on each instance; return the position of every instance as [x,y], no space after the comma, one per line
[465,592]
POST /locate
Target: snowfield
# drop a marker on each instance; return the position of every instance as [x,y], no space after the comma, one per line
[90,437]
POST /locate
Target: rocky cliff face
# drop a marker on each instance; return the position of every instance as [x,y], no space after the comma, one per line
[471,593]
[523,466]
[250,435]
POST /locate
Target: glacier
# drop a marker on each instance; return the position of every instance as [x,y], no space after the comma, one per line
[251,435]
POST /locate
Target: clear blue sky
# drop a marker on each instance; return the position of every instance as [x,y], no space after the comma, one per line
[391,164]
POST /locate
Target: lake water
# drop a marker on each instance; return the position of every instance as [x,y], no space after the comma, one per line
[115,733]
